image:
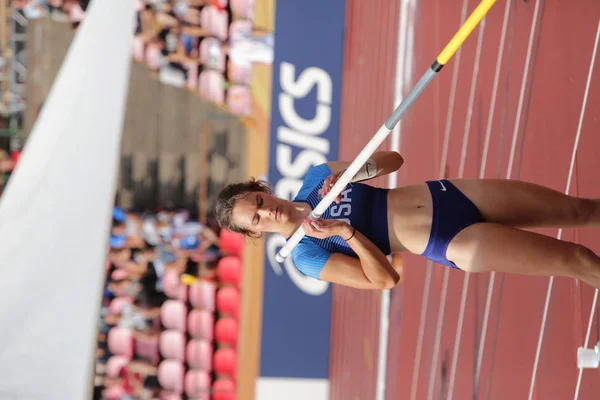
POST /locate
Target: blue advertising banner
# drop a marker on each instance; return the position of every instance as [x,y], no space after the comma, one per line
[307,77]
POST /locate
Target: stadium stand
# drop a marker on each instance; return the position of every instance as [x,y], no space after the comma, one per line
[169,321]
[163,335]
[204,46]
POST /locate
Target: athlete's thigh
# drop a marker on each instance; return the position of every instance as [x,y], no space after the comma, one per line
[485,247]
[524,204]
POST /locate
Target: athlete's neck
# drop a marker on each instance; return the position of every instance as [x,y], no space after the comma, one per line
[301,211]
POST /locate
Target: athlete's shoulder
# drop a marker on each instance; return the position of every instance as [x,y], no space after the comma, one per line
[317,173]
[309,258]
[313,178]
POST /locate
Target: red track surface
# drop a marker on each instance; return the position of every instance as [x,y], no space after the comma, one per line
[367,98]
[553,96]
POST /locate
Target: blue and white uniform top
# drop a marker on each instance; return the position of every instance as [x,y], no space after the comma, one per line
[362,206]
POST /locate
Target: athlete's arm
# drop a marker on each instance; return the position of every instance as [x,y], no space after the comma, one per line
[386,162]
[371,270]
[381,163]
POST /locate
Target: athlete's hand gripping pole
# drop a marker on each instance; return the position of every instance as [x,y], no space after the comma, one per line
[461,35]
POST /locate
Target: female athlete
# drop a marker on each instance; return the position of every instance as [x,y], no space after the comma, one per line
[477,225]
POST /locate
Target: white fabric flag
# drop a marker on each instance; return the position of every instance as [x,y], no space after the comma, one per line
[55,216]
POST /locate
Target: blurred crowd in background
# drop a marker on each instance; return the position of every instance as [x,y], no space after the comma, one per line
[168,325]
[205,46]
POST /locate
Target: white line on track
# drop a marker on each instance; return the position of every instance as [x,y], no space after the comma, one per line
[404,58]
[482,172]
[488,132]
[523,88]
[421,333]
[570,176]
[579,128]
[461,169]
[587,341]
[449,119]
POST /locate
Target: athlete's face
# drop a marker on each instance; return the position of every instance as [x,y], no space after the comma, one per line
[261,212]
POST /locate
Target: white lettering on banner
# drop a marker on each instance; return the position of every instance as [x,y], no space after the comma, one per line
[287,188]
[286,135]
[300,166]
[313,150]
[298,89]
[305,283]
[301,87]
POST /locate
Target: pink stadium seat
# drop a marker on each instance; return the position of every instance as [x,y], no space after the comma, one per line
[153,57]
[138,49]
[114,392]
[173,315]
[192,74]
[223,389]
[171,376]
[201,324]
[197,385]
[243,9]
[231,242]
[226,331]
[215,22]
[211,54]
[239,29]
[164,395]
[77,13]
[229,270]
[120,341]
[173,286]
[239,100]
[172,345]
[116,304]
[171,283]
[114,365]
[225,362]
[182,293]
[119,273]
[202,295]
[240,74]
[147,348]
[228,301]
[212,86]
[199,354]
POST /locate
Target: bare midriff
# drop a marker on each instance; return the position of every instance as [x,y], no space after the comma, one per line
[409,213]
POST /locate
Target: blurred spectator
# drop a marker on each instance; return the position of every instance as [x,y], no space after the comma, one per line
[247,46]
[31,9]
[7,165]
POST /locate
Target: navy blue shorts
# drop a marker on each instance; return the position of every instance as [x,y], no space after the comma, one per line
[452,212]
